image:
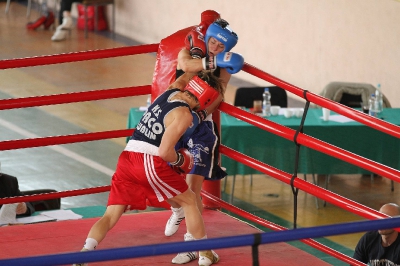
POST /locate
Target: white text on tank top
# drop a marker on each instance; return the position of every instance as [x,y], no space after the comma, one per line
[151,126]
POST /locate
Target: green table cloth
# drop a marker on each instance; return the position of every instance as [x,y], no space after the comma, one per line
[280,153]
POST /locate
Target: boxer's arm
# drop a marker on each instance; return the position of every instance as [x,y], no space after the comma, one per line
[187,63]
[184,162]
[182,81]
[232,62]
[177,121]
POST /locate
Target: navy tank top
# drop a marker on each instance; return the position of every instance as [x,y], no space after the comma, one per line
[151,126]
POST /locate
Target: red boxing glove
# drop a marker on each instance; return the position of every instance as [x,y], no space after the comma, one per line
[207,18]
[184,163]
[194,43]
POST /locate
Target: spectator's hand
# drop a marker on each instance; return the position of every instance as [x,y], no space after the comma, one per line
[21,208]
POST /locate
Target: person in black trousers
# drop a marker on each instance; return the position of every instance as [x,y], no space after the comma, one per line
[65,20]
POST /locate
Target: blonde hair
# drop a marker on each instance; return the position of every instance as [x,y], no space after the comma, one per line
[211,80]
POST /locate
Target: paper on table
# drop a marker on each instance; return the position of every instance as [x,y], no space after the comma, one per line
[48,216]
[35,219]
[339,118]
[61,215]
[8,213]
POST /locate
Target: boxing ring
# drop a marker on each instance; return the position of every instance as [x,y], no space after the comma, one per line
[211,190]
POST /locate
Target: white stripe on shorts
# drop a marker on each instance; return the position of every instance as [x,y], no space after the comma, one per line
[155,181]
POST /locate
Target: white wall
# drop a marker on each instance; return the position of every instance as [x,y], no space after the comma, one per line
[307,43]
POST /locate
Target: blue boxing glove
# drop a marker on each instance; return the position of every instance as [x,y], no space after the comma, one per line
[198,117]
[232,62]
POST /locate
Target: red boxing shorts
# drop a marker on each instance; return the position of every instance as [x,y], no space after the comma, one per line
[141,176]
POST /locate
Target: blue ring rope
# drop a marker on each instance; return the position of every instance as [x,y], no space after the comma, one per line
[215,243]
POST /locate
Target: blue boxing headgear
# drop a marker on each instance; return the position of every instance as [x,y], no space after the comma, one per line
[222,33]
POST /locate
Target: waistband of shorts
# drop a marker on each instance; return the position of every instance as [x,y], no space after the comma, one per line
[141,147]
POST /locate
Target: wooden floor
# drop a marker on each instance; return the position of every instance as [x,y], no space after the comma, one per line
[33,168]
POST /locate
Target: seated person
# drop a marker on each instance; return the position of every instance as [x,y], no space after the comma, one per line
[380,247]
[9,188]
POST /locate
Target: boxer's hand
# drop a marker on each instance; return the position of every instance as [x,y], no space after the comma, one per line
[209,62]
[232,62]
[184,162]
[194,43]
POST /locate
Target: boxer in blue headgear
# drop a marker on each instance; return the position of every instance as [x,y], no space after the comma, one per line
[221,32]
[218,33]
[202,139]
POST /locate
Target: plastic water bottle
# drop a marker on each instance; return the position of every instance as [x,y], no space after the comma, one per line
[373,105]
[266,106]
[379,99]
[148,102]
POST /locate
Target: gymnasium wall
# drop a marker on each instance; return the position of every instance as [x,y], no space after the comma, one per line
[307,43]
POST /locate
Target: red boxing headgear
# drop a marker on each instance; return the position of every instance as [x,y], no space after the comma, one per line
[204,93]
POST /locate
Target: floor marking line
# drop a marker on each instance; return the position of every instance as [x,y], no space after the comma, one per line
[59,149]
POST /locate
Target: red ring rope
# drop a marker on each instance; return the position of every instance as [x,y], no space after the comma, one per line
[77,56]
[55,195]
[311,142]
[74,97]
[324,102]
[266,125]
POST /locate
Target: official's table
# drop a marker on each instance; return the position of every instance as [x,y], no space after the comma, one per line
[280,153]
